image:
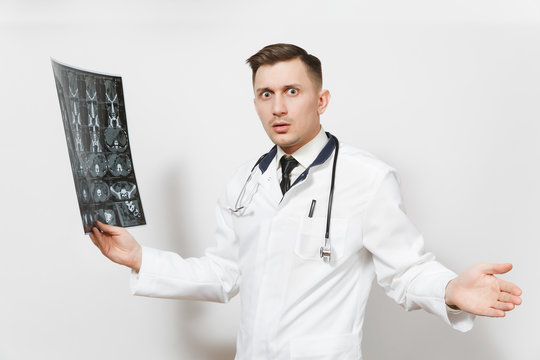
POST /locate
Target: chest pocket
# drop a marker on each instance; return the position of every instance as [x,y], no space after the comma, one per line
[311,237]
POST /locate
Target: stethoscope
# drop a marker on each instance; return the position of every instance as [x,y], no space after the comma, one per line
[246,195]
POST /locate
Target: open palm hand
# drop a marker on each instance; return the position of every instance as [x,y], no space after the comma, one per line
[477,291]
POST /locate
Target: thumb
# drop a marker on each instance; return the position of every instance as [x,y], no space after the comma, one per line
[113,230]
[496,268]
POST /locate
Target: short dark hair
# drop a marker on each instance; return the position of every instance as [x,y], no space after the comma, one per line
[271,54]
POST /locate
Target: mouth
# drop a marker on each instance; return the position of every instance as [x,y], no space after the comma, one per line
[281,127]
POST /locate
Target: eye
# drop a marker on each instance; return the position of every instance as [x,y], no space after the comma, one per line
[265,94]
[292,91]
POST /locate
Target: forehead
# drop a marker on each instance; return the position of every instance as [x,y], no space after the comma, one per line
[281,74]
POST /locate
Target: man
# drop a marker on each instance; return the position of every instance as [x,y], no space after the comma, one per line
[304,293]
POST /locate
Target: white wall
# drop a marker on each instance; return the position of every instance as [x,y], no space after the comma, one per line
[446,93]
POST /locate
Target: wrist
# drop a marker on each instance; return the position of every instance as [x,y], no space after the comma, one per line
[448,295]
[137,259]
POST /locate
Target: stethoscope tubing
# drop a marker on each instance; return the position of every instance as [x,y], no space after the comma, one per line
[326,250]
[331,194]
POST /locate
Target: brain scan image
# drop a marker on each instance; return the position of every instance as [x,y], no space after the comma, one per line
[73,84]
[123,190]
[100,191]
[87,219]
[95,139]
[129,212]
[119,165]
[93,116]
[84,191]
[106,216]
[75,114]
[78,138]
[80,166]
[110,91]
[91,92]
[116,139]
[96,131]
[113,106]
[97,165]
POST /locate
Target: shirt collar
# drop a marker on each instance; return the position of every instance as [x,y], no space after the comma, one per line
[307,153]
[265,160]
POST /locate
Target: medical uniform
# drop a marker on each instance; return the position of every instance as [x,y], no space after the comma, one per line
[294,305]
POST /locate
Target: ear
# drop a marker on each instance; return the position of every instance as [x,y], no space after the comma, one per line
[324,99]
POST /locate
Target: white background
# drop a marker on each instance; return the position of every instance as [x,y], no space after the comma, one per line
[446,92]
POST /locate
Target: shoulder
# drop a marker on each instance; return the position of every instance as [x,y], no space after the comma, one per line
[361,160]
[365,171]
[239,177]
[246,168]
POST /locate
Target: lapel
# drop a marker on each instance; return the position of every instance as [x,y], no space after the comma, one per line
[320,159]
[268,179]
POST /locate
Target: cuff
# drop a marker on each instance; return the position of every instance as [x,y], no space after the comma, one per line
[140,282]
[428,293]
[458,319]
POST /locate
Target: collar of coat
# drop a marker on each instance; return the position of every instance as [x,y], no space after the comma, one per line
[266,159]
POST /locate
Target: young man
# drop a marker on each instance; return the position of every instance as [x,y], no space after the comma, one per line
[303,292]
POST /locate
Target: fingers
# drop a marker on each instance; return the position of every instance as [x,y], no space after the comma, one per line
[114,230]
[93,238]
[96,237]
[509,298]
[504,306]
[509,287]
[495,268]
[491,312]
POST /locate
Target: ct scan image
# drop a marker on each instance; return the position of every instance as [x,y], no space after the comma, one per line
[95,125]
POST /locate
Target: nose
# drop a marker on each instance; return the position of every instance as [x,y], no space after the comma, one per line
[279,107]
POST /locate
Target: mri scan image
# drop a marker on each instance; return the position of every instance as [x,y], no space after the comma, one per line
[106,215]
[97,165]
[93,112]
[83,191]
[119,165]
[116,139]
[123,190]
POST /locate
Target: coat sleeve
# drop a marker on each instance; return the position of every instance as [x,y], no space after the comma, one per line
[408,274]
[213,277]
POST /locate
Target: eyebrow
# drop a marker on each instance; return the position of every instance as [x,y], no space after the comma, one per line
[261,90]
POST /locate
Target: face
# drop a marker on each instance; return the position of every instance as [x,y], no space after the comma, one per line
[289,103]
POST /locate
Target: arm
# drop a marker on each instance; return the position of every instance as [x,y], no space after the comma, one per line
[408,274]
[157,273]
[414,279]
[212,277]
[478,291]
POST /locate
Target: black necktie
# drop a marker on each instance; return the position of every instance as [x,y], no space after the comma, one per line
[287,164]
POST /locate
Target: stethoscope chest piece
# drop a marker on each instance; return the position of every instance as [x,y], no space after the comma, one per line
[326,253]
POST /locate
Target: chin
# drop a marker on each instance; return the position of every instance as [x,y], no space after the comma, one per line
[283,140]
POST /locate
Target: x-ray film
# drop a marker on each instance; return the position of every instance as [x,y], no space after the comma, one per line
[95,124]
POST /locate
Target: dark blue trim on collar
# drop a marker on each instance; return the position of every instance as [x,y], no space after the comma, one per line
[321,158]
[267,159]
[325,153]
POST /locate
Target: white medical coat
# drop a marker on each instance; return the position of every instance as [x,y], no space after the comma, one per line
[293,305]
